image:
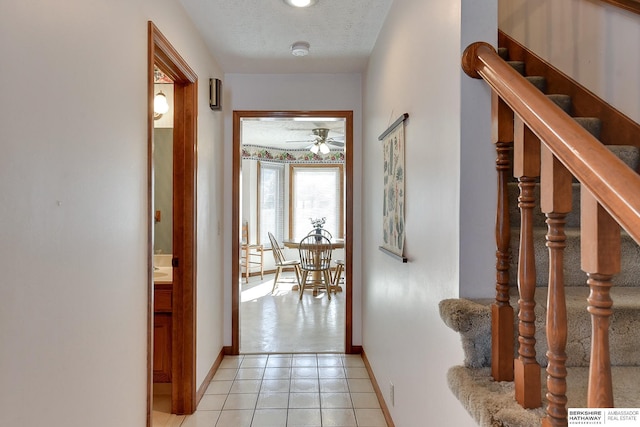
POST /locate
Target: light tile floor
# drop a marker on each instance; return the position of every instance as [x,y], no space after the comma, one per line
[289,390]
[281,323]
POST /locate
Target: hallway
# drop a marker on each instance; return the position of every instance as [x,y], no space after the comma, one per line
[286,390]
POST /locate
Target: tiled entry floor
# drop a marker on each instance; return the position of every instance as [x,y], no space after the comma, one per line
[281,323]
[289,390]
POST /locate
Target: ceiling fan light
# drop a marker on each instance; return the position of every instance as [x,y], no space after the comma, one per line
[160,104]
[324,148]
[314,148]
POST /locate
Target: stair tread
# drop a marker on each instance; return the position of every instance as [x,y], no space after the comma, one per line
[538,81]
[491,403]
[517,65]
[592,124]
[562,101]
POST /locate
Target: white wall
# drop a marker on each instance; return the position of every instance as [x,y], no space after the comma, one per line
[294,92]
[73,209]
[415,68]
[593,42]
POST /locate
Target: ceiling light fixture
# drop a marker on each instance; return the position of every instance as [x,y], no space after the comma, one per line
[300,3]
[322,147]
[300,49]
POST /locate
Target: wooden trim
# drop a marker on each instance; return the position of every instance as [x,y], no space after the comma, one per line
[235,238]
[184,249]
[205,383]
[630,5]
[583,155]
[376,388]
[183,391]
[617,129]
[235,212]
[150,288]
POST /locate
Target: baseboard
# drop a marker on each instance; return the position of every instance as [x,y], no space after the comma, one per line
[228,350]
[376,387]
[355,349]
[203,387]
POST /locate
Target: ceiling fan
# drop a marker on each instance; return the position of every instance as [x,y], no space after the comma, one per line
[321,141]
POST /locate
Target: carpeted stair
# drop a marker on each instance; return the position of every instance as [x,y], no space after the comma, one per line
[492,403]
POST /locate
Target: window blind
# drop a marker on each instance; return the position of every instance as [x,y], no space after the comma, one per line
[271,202]
[316,194]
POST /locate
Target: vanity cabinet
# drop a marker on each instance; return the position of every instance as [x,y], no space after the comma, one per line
[162,325]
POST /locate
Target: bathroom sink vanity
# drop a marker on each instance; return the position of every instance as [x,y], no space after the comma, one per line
[162,322]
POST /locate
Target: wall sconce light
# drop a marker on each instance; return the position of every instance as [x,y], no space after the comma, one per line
[160,104]
[215,94]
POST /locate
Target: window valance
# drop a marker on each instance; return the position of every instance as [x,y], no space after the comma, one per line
[256,152]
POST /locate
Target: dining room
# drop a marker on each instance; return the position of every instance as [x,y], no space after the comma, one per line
[293,180]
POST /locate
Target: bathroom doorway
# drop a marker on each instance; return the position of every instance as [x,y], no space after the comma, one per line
[176,300]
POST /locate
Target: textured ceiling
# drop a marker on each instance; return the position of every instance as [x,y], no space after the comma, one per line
[289,133]
[255,36]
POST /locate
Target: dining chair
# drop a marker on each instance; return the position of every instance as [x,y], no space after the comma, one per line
[281,262]
[323,232]
[338,275]
[315,258]
[251,255]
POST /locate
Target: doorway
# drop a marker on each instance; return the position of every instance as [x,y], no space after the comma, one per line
[177,301]
[347,225]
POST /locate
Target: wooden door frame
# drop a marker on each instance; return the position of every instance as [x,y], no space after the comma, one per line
[235,219]
[183,338]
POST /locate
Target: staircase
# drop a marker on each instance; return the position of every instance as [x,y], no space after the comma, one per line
[492,403]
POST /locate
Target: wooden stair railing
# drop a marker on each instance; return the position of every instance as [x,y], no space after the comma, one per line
[526,167]
[501,310]
[610,200]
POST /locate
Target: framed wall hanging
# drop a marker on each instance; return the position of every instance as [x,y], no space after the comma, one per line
[393,204]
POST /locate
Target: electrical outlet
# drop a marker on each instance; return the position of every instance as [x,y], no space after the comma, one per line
[392,394]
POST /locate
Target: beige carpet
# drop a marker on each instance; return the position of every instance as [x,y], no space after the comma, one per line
[492,403]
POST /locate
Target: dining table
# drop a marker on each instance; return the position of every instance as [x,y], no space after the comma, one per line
[316,275]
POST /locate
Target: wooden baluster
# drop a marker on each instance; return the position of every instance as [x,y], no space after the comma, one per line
[555,201]
[526,167]
[501,310]
[600,250]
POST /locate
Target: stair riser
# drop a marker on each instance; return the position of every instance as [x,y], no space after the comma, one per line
[473,321]
[624,330]
[573,275]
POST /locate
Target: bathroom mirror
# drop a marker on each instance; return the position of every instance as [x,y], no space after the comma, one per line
[163,168]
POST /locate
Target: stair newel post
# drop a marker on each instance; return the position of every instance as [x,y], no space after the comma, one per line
[555,202]
[501,310]
[600,251]
[526,167]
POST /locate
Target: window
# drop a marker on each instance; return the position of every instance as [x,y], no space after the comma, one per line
[316,192]
[270,202]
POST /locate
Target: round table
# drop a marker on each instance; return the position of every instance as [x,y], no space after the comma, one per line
[335,244]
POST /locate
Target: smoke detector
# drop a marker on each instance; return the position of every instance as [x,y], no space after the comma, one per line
[300,49]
